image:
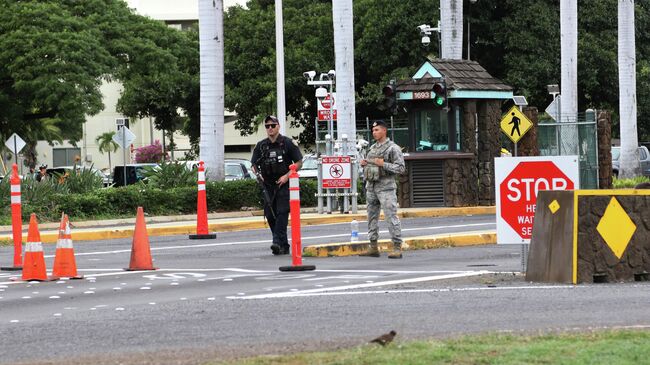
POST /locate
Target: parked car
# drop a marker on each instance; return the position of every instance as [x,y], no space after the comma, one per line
[309,169]
[644,160]
[238,169]
[134,173]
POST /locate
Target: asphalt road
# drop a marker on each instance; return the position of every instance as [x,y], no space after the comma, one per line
[226,298]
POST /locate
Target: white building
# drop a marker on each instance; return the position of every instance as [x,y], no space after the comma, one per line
[176,13]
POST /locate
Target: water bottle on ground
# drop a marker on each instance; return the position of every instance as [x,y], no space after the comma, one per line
[354,226]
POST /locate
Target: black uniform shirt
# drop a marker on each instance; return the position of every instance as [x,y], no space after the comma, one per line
[290,153]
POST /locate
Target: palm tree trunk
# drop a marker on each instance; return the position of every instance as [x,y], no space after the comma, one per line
[569,76]
[211,145]
[629,159]
[344,56]
[451,24]
[110,167]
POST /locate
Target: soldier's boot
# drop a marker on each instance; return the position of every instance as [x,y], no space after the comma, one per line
[373,250]
[397,252]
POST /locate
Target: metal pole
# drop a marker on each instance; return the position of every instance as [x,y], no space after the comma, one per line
[346,205]
[319,177]
[330,127]
[392,129]
[124,151]
[332,138]
[368,134]
[15,151]
[319,174]
[515,149]
[468,28]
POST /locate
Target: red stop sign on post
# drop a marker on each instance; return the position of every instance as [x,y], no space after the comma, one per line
[517,193]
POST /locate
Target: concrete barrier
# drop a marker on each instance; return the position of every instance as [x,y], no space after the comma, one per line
[587,236]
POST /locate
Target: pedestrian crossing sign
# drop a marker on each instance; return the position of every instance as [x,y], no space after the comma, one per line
[515,124]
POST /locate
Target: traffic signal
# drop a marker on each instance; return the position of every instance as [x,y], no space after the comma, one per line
[390,97]
[440,94]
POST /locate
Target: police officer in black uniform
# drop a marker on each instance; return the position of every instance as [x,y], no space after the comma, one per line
[271,158]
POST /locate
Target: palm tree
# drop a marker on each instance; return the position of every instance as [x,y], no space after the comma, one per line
[344,57]
[211,145]
[629,159]
[106,144]
[569,76]
[451,22]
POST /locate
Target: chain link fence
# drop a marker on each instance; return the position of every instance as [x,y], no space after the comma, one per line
[577,136]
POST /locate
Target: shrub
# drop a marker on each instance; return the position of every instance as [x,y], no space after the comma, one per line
[152,153]
[629,183]
[171,174]
[48,199]
[81,180]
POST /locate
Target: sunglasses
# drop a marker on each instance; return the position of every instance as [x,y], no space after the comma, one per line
[269,126]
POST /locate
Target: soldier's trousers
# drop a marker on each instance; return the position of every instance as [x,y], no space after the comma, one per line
[378,199]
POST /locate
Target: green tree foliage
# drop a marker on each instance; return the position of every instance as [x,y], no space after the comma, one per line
[518,43]
[385,40]
[56,54]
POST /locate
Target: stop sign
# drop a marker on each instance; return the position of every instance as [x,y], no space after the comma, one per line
[517,192]
[325,102]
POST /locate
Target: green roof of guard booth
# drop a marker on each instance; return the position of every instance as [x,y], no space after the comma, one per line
[464,79]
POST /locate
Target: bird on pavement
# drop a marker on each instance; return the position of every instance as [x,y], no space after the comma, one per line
[385,339]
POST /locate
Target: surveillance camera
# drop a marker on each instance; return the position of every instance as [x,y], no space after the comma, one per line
[426,40]
[331,74]
[423,27]
[324,77]
[309,75]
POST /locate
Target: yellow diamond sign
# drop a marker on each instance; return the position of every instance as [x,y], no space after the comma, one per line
[554,206]
[616,227]
[515,124]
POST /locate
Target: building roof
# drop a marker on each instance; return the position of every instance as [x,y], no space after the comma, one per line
[458,74]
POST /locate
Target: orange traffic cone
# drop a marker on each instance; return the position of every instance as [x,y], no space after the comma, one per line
[65,265]
[140,250]
[34,263]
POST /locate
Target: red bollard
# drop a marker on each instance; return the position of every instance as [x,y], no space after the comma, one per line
[296,244]
[16,220]
[202,210]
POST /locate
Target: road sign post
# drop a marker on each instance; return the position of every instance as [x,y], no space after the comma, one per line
[124,137]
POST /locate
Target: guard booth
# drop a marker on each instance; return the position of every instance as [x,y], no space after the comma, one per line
[454,109]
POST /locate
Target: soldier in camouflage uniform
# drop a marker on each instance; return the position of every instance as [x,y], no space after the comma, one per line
[380,168]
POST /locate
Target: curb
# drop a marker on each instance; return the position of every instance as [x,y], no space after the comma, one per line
[413,243]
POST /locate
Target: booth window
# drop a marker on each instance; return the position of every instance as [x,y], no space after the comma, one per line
[431,130]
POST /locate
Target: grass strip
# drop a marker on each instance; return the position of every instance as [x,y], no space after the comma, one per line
[601,347]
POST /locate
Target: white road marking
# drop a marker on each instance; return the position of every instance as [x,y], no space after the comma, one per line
[359,286]
[304,238]
[416,291]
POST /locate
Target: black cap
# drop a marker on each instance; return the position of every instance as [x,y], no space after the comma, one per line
[272,118]
[379,123]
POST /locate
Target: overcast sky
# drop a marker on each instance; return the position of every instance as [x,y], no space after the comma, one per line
[173,9]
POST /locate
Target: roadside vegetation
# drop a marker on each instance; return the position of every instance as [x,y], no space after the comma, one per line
[629,183]
[169,189]
[602,347]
